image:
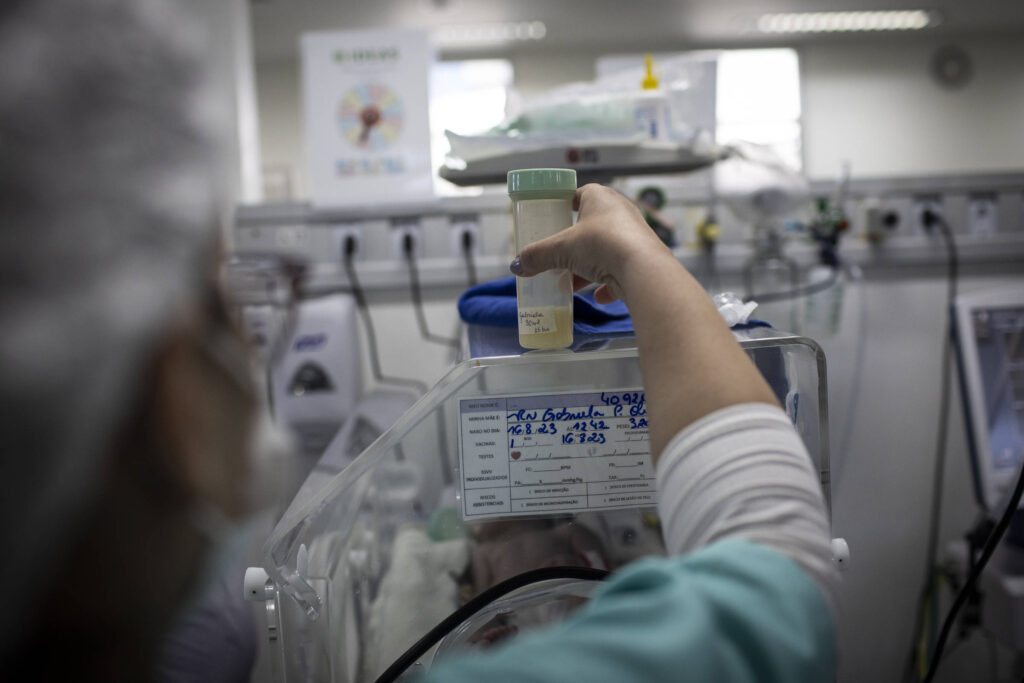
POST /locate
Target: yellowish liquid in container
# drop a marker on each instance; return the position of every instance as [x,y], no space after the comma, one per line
[553,325]
[544,301]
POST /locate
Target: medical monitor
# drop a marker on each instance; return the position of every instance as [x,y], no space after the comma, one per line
[989,329]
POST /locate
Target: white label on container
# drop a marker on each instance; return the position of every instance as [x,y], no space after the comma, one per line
[537,454]
[538,320]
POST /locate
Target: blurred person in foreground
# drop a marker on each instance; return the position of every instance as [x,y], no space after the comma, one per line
[128,413]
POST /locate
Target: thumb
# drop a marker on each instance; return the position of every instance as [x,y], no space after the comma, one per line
[547,254]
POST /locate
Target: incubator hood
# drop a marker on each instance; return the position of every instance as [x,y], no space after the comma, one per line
[508,464]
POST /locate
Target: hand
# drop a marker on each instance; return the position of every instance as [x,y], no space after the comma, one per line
[609,242]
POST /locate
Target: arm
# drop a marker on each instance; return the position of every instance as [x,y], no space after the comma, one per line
[690,362]
[734,612]
[744,597]
[729,462]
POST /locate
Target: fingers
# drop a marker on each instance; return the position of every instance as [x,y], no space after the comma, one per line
[605,295]
[579,283]
[609,229]
[555,251]
[547,254]
[577,198]
[602,295]
[585,190]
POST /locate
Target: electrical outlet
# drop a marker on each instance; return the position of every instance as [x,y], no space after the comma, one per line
[291,238]
[881,221]
[921,204]
[983,214]
[399,230]
[461,226]
[340,235]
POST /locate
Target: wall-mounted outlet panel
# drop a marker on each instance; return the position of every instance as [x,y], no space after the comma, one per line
[983,214]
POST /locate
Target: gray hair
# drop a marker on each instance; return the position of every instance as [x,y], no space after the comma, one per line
[107,203]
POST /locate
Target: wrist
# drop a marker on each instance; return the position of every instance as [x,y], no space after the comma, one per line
[642,270]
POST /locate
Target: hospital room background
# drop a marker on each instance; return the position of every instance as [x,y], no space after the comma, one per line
[886,127]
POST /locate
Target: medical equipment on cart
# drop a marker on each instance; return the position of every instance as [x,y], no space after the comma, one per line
[988,326]
[989,329]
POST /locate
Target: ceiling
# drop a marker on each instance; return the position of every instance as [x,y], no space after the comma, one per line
[612,24]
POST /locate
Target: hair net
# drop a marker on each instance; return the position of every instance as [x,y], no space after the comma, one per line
[107,203]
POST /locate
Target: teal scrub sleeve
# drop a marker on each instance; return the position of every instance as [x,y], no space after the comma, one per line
[732,612]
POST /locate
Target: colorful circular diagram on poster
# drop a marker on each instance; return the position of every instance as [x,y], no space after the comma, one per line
[370,116]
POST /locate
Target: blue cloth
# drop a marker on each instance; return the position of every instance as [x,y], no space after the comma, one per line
[494,303]
[733,612]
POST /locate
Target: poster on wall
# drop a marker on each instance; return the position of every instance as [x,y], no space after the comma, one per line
[366,111]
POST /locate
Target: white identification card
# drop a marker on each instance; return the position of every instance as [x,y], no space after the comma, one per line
[539,320]
[537,454]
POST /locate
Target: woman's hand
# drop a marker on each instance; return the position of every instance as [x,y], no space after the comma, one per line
[609,243]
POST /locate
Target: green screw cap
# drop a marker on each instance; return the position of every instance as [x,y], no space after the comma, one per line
[557,181]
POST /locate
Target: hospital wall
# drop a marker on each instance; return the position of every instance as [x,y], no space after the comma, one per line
[875,106]
[225,38]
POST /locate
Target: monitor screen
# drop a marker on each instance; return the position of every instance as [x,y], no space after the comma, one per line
[999,343]
[990,350]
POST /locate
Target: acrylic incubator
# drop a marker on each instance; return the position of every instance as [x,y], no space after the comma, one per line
[480,512]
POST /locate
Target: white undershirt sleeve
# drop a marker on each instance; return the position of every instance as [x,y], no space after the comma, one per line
[744,472]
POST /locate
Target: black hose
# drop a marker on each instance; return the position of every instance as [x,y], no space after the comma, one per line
[932,219]
[371,334]
[452,621]
[417,297]
[965,591]
[467,252]
[797,292]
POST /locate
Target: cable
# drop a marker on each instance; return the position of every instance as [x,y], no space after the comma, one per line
[993,652]
[857,276]
[468,238]
[371,333]
[953,648]
[797,292]
[417,296]
[934,220]
[467,252]
[423,645]
[965,591]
